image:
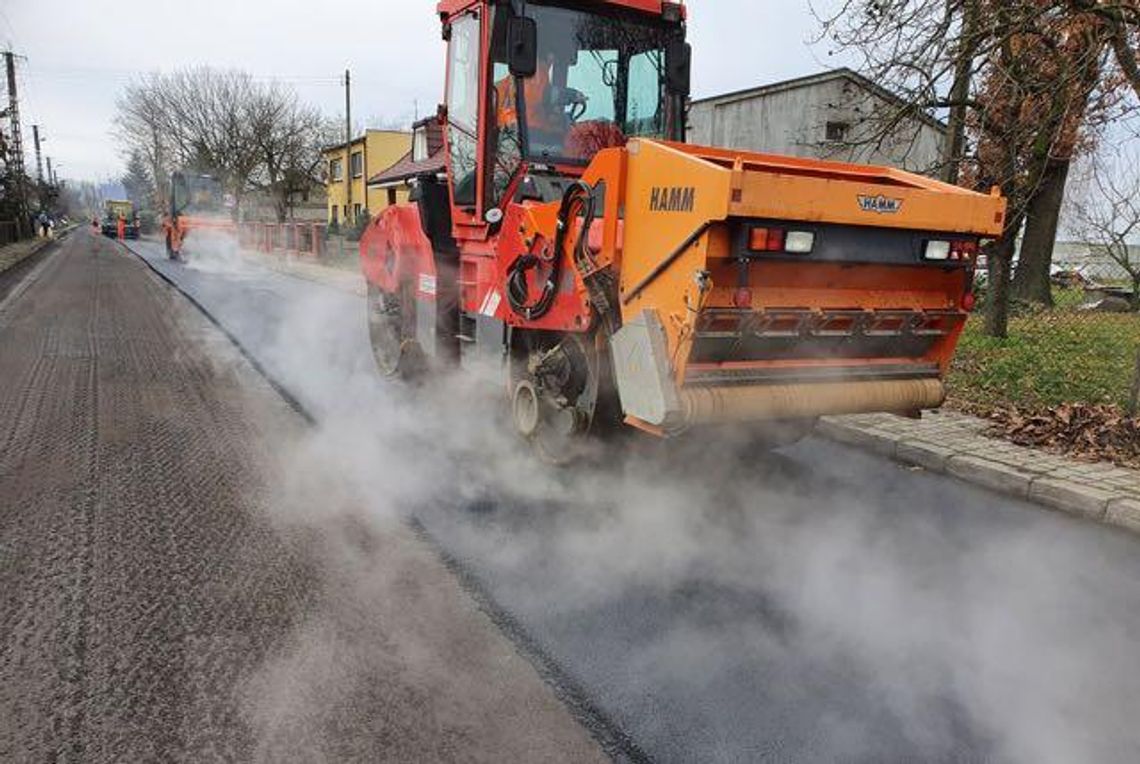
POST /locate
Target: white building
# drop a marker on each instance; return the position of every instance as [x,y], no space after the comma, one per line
[825,116]
[1092,261]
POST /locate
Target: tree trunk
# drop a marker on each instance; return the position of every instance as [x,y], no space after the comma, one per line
[997,308]
[954,145]
[1031,282]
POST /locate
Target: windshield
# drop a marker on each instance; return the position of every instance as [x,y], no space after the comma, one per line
[197,194]
[600,81]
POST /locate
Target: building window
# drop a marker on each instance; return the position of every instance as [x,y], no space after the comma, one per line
[391,196]
[837,131]
[356,210]
[334,219]
[357,164]
[336,170]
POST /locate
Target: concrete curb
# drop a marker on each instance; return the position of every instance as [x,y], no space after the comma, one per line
[1103,503]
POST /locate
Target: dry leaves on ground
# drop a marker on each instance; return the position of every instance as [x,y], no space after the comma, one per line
[1089,433]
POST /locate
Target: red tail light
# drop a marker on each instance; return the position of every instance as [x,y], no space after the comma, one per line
[969,302]
[767,240]
[963,250]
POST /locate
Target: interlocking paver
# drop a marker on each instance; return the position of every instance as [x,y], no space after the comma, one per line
[953,442]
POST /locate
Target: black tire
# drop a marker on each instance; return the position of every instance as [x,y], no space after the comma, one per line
[391,327]
[561,434]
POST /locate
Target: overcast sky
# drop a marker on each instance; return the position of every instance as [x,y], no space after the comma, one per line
[81,53]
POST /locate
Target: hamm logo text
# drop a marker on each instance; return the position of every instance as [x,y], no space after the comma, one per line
[881,204]
[676,199]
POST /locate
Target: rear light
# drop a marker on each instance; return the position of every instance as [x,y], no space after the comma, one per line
[960,250]
[799,242]
[963,250]
[937,250]
[767,240]
[781,240]
[742,297]
[969,301]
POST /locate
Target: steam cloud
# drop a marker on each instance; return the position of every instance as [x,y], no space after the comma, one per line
[971,627]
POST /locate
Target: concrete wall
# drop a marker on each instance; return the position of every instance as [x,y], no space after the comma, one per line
[793,121]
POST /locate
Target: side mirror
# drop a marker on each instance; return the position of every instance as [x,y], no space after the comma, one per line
[678,67]
[522,46]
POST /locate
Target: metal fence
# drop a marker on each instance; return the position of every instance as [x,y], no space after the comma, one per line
[1081,349]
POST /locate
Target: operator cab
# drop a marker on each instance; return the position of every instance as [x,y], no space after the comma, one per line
[195,195]
[561,81]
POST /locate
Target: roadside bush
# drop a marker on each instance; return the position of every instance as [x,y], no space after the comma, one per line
[355,231]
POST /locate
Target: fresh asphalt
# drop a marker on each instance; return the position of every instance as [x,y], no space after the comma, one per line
[823,604]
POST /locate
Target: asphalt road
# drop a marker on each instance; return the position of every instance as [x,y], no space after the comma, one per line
[169,587]
[822,604]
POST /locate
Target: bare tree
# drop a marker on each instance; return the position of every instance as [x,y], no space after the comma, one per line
[289,137]
[1107,214]
[205,114]
[928,53]
[140,125]
[1025,84]
[253,136]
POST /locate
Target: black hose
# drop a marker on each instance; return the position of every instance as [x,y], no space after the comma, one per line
[518,287]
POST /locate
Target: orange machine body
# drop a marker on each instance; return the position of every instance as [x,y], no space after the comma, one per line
[744,278]
[197,204]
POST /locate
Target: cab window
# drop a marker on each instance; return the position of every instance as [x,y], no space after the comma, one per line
[463,108]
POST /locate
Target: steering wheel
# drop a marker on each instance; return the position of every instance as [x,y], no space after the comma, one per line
[573,103]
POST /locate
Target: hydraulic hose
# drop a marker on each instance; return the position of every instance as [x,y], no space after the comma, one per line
[579,196]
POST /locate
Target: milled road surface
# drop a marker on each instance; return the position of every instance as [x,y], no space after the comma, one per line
[164,598]
[716,605]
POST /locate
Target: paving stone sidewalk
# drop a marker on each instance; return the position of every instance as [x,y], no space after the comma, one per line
[952,443]
[946,442]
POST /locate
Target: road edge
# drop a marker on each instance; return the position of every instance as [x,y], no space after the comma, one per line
[1117,510]
[608,735]
[42,248]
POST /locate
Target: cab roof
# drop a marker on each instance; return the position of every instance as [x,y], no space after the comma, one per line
[656,7]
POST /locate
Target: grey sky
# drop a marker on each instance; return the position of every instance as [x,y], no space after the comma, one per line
[81,53]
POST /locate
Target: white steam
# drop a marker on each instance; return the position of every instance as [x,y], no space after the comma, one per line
[1017,627]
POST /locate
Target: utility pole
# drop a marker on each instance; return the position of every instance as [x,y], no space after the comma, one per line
[39,157]
[51,175]
[16,147]
[349,218]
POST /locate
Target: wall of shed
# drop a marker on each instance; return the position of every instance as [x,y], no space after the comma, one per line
[793,122]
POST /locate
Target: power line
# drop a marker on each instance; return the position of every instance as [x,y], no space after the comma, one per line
[103,74]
